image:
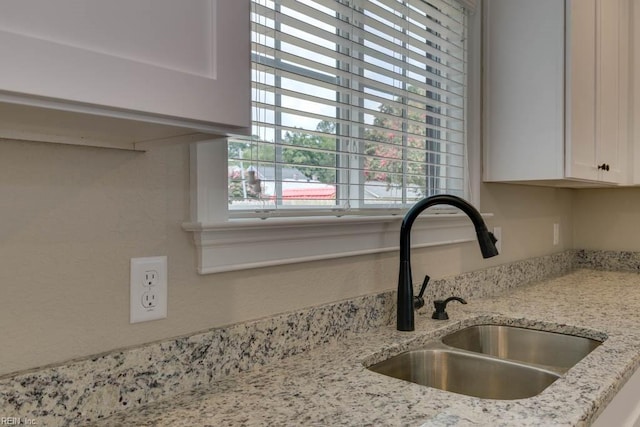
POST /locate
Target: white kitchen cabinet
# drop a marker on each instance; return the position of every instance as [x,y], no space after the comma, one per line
[624,409]
[120,73]
[556,91]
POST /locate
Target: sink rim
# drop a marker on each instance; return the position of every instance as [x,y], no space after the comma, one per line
[433,339]
[421,338]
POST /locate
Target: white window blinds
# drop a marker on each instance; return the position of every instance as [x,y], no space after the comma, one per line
[358,105]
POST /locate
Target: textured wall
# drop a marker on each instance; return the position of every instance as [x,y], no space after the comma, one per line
[72,217]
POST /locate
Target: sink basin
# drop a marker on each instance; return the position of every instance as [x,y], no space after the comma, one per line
[525,345]
[472,375]
[490,361]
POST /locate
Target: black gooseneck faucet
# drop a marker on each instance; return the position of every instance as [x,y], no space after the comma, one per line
[405,318]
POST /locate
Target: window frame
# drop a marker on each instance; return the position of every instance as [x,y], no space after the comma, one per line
[228,244]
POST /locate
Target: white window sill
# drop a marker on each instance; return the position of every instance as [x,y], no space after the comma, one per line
[249,243]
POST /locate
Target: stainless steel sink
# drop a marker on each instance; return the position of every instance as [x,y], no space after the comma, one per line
[490,361]
[472,375]
[525,345]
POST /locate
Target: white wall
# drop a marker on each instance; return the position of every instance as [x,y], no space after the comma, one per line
[72,217]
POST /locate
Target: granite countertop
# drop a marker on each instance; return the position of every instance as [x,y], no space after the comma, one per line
[330,385]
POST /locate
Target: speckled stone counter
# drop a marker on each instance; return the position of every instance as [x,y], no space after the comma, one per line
[330,386]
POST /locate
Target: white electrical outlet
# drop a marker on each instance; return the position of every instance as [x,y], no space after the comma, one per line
[497,233]
[556,233]
[148,289]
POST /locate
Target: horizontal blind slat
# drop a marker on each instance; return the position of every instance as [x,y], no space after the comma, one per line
[339,152]
[319,117]
[454,66]
[446,48]
[399,174]
[371,128]
[432,103]
[411,111]
[439,35]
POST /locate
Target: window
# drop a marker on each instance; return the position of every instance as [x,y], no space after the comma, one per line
[358,107]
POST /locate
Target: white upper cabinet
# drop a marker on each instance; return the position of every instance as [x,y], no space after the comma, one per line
[556,91]
[123,72]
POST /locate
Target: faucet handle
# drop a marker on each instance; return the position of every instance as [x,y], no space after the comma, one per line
[440,313]
[418,302]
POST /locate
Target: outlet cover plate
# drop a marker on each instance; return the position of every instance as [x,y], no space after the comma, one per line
[148,278]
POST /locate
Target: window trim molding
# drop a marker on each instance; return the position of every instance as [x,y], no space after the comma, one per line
[225,244]
[244,244]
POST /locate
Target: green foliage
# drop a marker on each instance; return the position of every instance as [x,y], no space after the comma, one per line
[313,155]
[386,151]
[316,151]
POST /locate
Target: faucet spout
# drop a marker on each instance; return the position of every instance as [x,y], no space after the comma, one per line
[486,240]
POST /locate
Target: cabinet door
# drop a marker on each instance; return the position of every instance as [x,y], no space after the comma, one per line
[580,139]
[612,89]
[597,77]
[523,98]
[182,60]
